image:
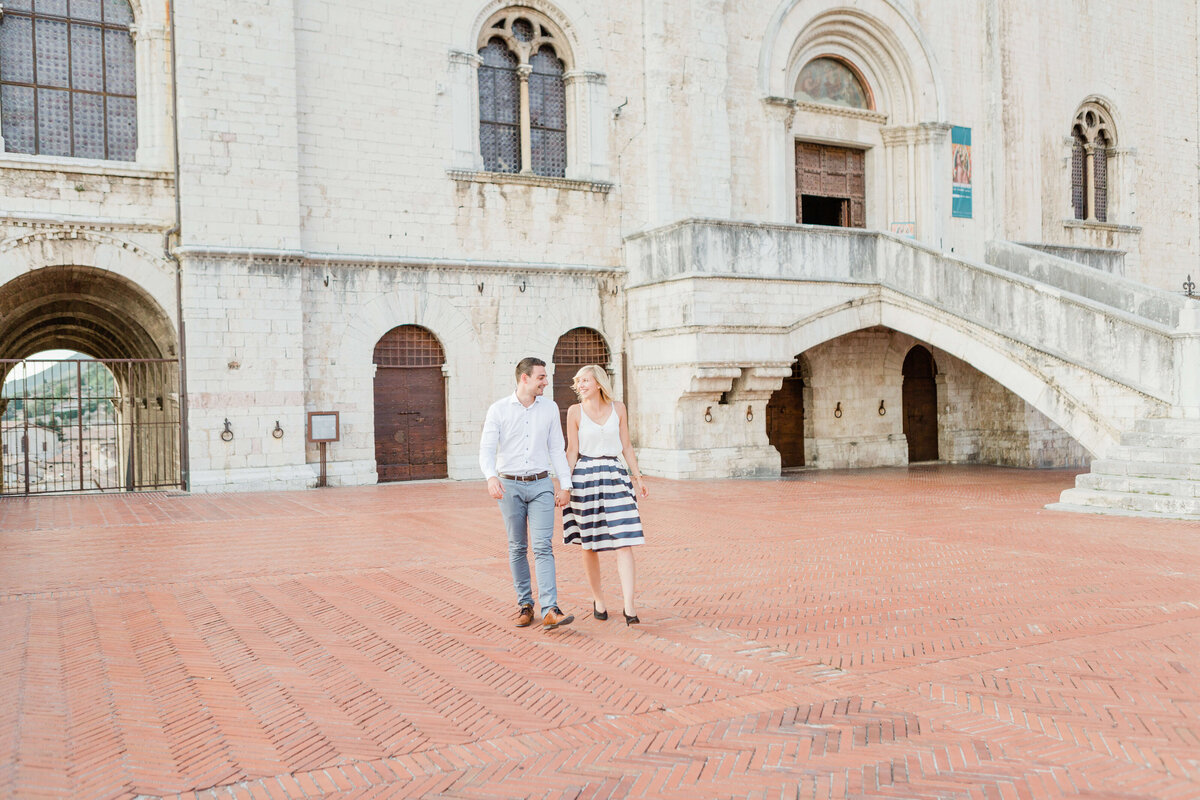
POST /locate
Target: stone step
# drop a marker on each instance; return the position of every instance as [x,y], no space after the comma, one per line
[1159,487]
[1146,469]
[1189,427]
[1155,455]
[1122,503]
[1172,440]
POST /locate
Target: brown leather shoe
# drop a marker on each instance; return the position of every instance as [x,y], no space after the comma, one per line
[555,618]
[525,616]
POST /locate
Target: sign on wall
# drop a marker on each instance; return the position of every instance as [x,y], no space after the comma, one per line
[960,149]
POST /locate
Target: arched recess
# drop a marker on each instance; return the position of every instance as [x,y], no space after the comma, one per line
[410,405]
[785,415]
[919,396]
[879,37]
[576,348]
[978,347]
[115,321]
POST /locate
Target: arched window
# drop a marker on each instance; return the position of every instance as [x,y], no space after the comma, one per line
[833,82]
[1093,136]
[67,85]
[522,95]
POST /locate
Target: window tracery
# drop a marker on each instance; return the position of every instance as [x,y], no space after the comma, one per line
[1093,137]
[522,95]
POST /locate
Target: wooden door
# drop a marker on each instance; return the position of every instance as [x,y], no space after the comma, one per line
[410,406]
[834,172]
[785,422]
[919,394]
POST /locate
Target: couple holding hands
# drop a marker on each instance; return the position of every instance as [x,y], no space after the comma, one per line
[522,441]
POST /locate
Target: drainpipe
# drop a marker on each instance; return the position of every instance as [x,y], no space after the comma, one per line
[171,235]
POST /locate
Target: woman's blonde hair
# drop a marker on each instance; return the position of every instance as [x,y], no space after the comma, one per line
[600,377]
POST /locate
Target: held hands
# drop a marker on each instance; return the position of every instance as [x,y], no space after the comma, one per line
[495,488]
[562,498]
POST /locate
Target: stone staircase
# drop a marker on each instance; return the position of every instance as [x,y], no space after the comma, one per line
[1154,472]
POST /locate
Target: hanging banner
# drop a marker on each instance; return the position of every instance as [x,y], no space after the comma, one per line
[960,149]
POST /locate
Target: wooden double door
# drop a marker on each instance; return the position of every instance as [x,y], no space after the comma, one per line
[410,406]
[831,186]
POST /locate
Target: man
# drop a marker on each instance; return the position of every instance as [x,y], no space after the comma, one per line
[522,439]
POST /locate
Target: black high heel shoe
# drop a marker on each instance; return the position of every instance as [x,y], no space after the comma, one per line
[631,620]
[600,615]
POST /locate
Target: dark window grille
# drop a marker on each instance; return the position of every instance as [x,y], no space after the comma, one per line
[1078,189]
[548,114]
[1100,169]
[409,346]
[581,346]
[68,79]
[499,108]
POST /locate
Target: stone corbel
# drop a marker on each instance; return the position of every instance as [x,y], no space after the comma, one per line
[711,382]
[759,383]
[782,109]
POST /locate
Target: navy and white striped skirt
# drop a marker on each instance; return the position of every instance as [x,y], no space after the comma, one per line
[603,512]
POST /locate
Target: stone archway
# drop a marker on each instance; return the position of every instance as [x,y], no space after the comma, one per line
[135,400]
[919,393]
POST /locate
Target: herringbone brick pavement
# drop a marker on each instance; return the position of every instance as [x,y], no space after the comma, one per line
[922,633]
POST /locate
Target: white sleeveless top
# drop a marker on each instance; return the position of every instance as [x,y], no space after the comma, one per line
[599,440]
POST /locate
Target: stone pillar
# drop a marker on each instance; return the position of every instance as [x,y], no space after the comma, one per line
[919,192]
[152,54]
[463,78]
[781,159]
[587,125]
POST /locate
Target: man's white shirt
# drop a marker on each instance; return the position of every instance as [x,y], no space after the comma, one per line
[523,441]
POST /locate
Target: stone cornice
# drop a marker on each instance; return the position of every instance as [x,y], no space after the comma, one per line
[471,176]
[309,260]
[842,111]
[73,222]
[921,133]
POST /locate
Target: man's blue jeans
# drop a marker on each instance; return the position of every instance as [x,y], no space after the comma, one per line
[528,509]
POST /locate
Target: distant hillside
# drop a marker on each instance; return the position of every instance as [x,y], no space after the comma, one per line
[55,395]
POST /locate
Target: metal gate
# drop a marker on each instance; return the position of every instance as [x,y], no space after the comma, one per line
[82,424]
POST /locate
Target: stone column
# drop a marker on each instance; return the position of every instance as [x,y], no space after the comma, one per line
[523,73]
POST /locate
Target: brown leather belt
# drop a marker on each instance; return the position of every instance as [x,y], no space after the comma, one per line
[525,478]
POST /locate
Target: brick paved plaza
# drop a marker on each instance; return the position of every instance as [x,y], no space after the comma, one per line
[922,633]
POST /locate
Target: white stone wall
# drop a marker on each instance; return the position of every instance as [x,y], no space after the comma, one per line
[245,363]
[485,319]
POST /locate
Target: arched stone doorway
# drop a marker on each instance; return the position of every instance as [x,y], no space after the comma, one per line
[113,407]
[410,405]
[785,418]
[576,348]
[919,394]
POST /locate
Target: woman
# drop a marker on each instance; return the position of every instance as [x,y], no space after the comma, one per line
[602,514]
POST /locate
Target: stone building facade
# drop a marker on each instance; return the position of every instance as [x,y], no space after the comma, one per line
[730,202]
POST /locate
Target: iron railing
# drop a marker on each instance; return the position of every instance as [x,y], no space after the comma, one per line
[78,425]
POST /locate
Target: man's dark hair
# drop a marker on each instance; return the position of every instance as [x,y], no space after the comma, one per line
[525,366]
